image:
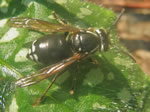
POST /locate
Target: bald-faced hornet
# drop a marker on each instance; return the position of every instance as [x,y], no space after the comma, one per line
[59,50]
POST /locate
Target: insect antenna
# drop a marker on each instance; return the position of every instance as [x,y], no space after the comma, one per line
[116,21]
[110,29]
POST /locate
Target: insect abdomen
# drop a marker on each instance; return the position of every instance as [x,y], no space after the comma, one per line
[50,49]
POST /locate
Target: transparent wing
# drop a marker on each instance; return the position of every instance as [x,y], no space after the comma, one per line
[48,71]
[39,25]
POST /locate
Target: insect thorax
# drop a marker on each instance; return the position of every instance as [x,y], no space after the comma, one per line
[84,42]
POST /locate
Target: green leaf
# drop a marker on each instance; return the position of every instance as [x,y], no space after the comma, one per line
[115,84]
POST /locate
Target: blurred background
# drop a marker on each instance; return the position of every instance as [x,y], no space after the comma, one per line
[133,28]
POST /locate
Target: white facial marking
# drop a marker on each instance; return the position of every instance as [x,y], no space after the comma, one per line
[91,33]
[35,57]
[43,45]
[31,57]
[102,39]
[34,42]
[99,32]
[33,46]
[29,51]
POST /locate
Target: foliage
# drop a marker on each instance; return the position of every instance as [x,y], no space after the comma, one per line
[115,84]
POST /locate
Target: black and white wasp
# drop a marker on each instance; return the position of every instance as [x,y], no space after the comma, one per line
[59,50]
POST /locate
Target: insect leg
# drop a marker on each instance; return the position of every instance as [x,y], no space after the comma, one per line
[125,52]
[74,80]
[45,92]
[93,60]
[73,84]
[60,21]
